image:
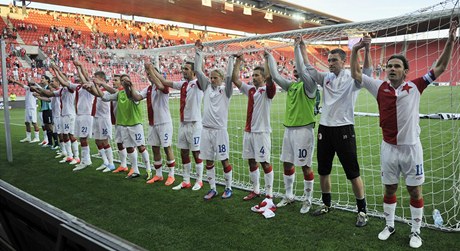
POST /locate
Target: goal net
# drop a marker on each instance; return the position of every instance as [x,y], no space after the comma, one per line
[420,35]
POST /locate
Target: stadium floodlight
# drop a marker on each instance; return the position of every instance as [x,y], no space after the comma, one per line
[268,16]
[247,11]
[207,3]
[298,17]
[228,6]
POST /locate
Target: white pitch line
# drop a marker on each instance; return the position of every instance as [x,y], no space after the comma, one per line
[2,122]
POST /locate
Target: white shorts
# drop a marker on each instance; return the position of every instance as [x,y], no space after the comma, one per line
[132,136]
[189,135]
[214,144]
[257,145]
[117,137]
[298,145]
[68,124]
[406,160]
[160,135]
[30,115]
[102,128]
[57,125]
[40,118]
[84,126]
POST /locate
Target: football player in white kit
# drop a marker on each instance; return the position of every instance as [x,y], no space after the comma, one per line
[160,125]
[84,119]
[214,136]
[299,123]
[102,127]
[336,133]
[401,150]
[129,125]
[122,153]
[67,100]
[189,138]
[257,141]
[49,117]
[30,114]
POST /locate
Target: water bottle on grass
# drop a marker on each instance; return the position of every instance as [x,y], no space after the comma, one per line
[438,221]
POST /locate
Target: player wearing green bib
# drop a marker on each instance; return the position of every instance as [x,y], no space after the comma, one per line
[299,122]
[129,122]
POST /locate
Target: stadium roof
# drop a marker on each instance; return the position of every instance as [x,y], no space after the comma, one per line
[285,16]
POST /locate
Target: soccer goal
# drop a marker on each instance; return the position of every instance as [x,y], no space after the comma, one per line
[420,35]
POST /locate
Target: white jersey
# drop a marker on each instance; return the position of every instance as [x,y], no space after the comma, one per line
[83,100]
[56,106]
[339,97]
[67,97]
[30,99]
[399,108]
[190,100]
[215,107]
[100,109]
[258,111]
[157,105]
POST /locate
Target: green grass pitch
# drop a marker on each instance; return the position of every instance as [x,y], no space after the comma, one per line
[158,218]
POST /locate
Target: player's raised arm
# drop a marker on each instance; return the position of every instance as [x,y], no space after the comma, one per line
[202,79]
[446,55]
[309,83]
[355,68]
[128,86]
[16,82]
[42,91]
[305,68]
[163,80]
[367,66]
[82,73]
[60,76]
[236,71]
[91,86]
[106,86]
[43,98]
[134,94]
[228,77]
[150,69]
[273,70]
